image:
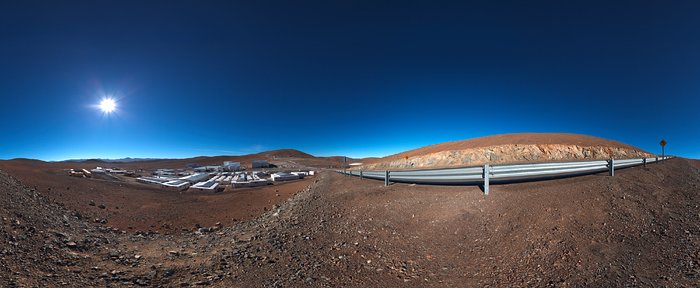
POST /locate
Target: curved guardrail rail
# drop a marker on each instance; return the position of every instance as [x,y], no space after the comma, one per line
[501,173]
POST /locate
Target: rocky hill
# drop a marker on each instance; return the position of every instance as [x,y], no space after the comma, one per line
[508,148]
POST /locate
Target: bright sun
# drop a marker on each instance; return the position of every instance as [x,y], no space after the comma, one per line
[108,105]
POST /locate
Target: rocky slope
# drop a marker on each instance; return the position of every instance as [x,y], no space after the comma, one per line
[44,244]
[639,228]
[510,148]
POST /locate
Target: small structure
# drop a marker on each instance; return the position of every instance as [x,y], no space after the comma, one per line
[246,180]
[177,185]
[153,180]
[219,178]
[260,164]
[205,186]
[303,174]
[80,173]
[284,176]
[207,169]
[196,177]
[98,170]
[232,166]
[165,172]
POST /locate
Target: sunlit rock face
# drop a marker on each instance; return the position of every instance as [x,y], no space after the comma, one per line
[511,153]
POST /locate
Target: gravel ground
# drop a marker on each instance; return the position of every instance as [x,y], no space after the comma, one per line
[639,228]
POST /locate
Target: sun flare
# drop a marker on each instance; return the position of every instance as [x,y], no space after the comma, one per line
[108,105]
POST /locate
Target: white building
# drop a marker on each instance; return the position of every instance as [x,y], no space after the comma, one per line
[246,180]
[232,166]
[153,180]
[165,172]
[194,178]
[207,169]
[176,185]
[284,176]
[116,171]
[205,186]
[99,170]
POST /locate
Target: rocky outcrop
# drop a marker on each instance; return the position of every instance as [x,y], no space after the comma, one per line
[514,153]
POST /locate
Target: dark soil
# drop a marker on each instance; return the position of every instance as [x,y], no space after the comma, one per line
[132,206]
[639,228]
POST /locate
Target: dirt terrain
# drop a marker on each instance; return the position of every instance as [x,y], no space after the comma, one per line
[508,148]
[639,228]
[141,207]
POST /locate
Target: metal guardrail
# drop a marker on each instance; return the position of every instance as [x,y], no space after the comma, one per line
[501,173]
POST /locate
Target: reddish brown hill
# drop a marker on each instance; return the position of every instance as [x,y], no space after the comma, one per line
[515,139]
[286,153]
[509,148]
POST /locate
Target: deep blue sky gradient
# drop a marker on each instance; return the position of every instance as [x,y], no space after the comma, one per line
[356,78]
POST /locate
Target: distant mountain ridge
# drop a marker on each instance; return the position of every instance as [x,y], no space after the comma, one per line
[283,157]
[120,160]
[282,153]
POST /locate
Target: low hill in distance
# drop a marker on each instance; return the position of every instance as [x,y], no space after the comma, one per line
[508,148]
[283,158]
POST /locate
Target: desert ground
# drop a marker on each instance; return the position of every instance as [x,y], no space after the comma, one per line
[638,228]
[132,206]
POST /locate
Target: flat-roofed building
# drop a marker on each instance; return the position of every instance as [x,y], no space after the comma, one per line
[208,169]
[284,176]
[232,166]
[177,185]
[205,186]
[260,164]
[194,178]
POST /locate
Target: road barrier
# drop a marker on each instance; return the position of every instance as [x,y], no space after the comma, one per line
[484,175]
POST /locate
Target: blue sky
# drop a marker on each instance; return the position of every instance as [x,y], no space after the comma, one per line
[356,78]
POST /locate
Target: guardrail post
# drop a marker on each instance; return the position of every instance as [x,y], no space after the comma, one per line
[644,160]
[360,174]
[487,169]
[611,166]
[386,177]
